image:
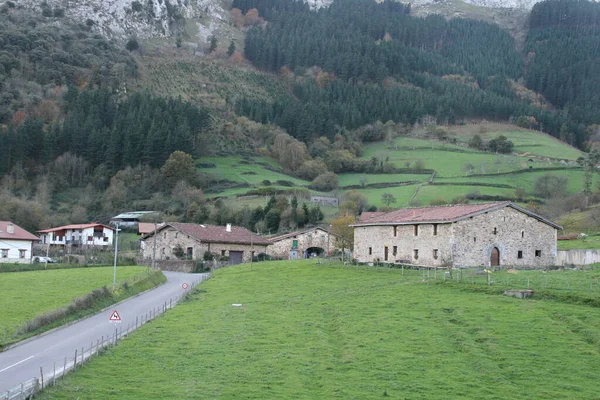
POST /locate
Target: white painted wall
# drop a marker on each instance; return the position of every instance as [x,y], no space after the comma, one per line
[74,236]
[12,250]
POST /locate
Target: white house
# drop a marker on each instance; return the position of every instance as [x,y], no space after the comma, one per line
[78,235]
[16,244]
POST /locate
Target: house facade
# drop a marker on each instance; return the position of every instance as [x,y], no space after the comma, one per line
[302,244]
[16,244]
[78,235]
[488,235]
[193,241]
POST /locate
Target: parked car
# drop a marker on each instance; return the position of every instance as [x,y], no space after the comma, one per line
[44,260]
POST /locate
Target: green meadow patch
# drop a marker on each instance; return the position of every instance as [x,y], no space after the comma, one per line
[27,295]
[324,331]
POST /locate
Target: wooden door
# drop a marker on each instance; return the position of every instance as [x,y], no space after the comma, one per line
[385,253]
[495,261]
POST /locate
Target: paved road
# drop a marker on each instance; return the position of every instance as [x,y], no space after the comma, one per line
[23,362]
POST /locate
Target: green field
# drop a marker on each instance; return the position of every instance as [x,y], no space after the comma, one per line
[26,295]
[324,331]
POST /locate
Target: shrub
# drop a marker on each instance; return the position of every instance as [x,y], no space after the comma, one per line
[325,182]
[132,44]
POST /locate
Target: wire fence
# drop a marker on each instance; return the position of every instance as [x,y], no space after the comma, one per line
[582,280]
[79,356]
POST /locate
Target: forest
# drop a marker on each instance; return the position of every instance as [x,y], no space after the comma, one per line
[377,62]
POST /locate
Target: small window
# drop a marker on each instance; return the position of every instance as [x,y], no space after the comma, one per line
[165,235]
[385,253]
[370,251]
[416,254]
[176,234]
[416,230]
[223,252]
[522,234]
[395,250]
[90,239]
[294,245]
[106,238]
[434,229]
[538,253]
[189,253]
[520,254]
[4,253]
[435,254]
[503,219]
[495,231]
[395,231]
[162,251]
[22,253]
[474,240]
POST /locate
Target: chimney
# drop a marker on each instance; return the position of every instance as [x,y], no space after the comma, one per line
[10,228]
[228,228]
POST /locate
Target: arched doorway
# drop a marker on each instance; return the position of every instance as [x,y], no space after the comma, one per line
[314,252]
[495,259]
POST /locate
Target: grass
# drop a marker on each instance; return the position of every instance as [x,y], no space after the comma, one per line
[323,331]
[26,295]
[589,243]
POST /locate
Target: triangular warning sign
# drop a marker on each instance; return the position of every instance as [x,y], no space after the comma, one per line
[115,316]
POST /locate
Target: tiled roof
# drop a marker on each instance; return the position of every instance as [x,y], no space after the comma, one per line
[296,233]
[18,232]
[148,227]
[370,214]
[74,226]
[216,234]
[443,214]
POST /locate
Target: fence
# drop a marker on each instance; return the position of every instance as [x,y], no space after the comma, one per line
[78,357]
[585,282]
[578,257]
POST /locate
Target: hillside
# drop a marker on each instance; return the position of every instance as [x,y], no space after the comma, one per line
[435,170]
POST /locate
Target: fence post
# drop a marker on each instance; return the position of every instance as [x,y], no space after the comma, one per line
[75,362]
[42,376]
[64,367]
[54,375]
[81,355]
[136,321]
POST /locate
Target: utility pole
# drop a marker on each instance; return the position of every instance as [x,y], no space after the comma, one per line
[116,252]
[154,249]
[251,249]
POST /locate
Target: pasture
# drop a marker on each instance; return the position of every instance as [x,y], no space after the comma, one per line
[306,330]
[26,295]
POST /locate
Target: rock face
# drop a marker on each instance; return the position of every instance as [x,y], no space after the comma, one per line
[141,18]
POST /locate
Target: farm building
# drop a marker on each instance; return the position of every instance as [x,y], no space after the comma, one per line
[302,244]
[131,218]
[93,234]
[325,201]
[462,235]
[16,244]
[192,241]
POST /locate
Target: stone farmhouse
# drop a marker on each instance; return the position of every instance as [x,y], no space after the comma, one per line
[467,235]
[234,242]
[93,234]
[302,244]
[16,244]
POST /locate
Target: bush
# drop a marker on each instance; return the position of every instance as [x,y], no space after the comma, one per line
[132,44]
[325,182]
[501,144]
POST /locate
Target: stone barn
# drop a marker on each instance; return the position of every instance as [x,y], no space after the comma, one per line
[302,244]
[234,242]
[488,235]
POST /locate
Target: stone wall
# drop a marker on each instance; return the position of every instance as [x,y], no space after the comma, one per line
[474,239]
[313,238]
[406,242]
[168,239]
[578,257]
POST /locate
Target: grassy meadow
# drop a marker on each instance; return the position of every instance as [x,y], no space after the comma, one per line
[459,170]
[26,295]
[326,331]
